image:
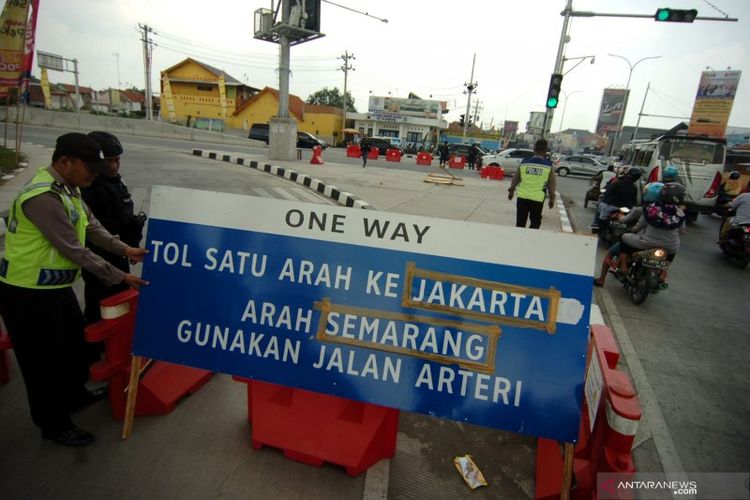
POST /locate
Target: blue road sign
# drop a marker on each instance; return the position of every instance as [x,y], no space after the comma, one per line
[466,321]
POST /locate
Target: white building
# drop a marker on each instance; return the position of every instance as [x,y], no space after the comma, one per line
[413,120]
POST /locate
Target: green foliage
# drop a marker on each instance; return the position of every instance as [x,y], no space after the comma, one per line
[8,160]
[331,97]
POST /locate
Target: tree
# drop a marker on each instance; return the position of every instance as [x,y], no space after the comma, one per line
[331,97]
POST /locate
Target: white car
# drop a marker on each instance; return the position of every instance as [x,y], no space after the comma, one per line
[509,159]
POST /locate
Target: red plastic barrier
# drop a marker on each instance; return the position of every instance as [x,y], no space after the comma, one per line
[163,384]
[373,154]
[457,161]
[605,447]
[317,155]
[353,151]
[424,158]
[5,346]
[496,173]
[313,428]
[393,155]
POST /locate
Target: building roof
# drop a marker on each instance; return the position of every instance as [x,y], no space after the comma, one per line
[316,108]
[228,79]
[132,96]
[71,89]
[296,105]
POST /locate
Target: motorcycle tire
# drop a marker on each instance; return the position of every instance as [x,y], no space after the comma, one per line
[638,289]
[739,261]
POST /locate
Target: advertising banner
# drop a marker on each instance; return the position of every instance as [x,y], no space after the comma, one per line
[613,102]
[536,122]
[510,129]
[713,103]
[466,321]
[12,29]
[421,108]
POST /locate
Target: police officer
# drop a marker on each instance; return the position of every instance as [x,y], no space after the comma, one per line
[110,202]
[534,179]
[44,251]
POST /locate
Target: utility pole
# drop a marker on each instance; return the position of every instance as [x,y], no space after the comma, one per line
[477,108]
[147,48]
[345,68]
[640,113]
[77,104]
[470,87]
[117,57]
[550,112]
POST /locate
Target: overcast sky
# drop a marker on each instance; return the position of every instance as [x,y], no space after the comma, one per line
[426,47]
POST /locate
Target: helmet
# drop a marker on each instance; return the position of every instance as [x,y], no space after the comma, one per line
[669,173]
[111,146]
[633,173]
[734,175]
[652,192]
[673,193]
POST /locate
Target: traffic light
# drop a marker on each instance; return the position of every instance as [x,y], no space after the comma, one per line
[461,120]
[553,94]
[668,15]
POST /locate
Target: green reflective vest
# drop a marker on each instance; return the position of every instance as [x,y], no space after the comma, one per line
[30,259]
[534,177]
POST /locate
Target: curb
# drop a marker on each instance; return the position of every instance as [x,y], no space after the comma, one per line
[564,219]
[341,197]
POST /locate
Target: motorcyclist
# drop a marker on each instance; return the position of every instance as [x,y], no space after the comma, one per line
[741,208]
[651,194]
[729,189]
[661,226]
[622,193]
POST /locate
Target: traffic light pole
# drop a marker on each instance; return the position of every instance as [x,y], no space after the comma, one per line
[567,14]
[550,112]
[469,89]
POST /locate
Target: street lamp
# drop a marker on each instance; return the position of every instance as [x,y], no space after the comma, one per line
[579,59]
[567,96]
[625,95]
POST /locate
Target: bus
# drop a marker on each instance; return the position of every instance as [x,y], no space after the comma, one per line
[699,159]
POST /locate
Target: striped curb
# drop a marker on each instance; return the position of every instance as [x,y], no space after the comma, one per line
[341,197]
[564,219]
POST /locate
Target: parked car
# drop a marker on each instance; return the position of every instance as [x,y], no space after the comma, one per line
[307,140]
[383,144]
[579,165]
[509,159]
[259,132]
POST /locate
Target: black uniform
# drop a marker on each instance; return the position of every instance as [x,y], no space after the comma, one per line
[111,203]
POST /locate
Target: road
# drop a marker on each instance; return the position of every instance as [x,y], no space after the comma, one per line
[691,343]
[689,340]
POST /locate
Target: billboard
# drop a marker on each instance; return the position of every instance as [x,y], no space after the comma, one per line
[713,103]
[510,128]
[467,321]
[420,108]
[613,102]
[536,122]
[12,42]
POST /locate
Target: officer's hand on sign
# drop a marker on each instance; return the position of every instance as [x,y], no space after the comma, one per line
[134,281]
[135,254]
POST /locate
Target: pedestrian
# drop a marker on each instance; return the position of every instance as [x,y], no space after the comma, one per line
[364,148]
[44,252]
[535,180]
[110,201]
[472,156]
[444,151]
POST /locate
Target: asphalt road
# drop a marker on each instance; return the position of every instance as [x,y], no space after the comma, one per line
[690,340]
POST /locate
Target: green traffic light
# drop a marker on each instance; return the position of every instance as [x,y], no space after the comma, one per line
[662,14]
[552,102]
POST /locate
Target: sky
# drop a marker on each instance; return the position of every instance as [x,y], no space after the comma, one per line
[426,47]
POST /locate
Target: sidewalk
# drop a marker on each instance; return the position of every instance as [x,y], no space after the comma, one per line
[202,449]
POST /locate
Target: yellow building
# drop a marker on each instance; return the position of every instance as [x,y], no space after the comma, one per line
[197,92]
[321,121]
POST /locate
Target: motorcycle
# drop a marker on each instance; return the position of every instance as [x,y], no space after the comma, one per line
[736,245]
[643,276]
[611,229]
